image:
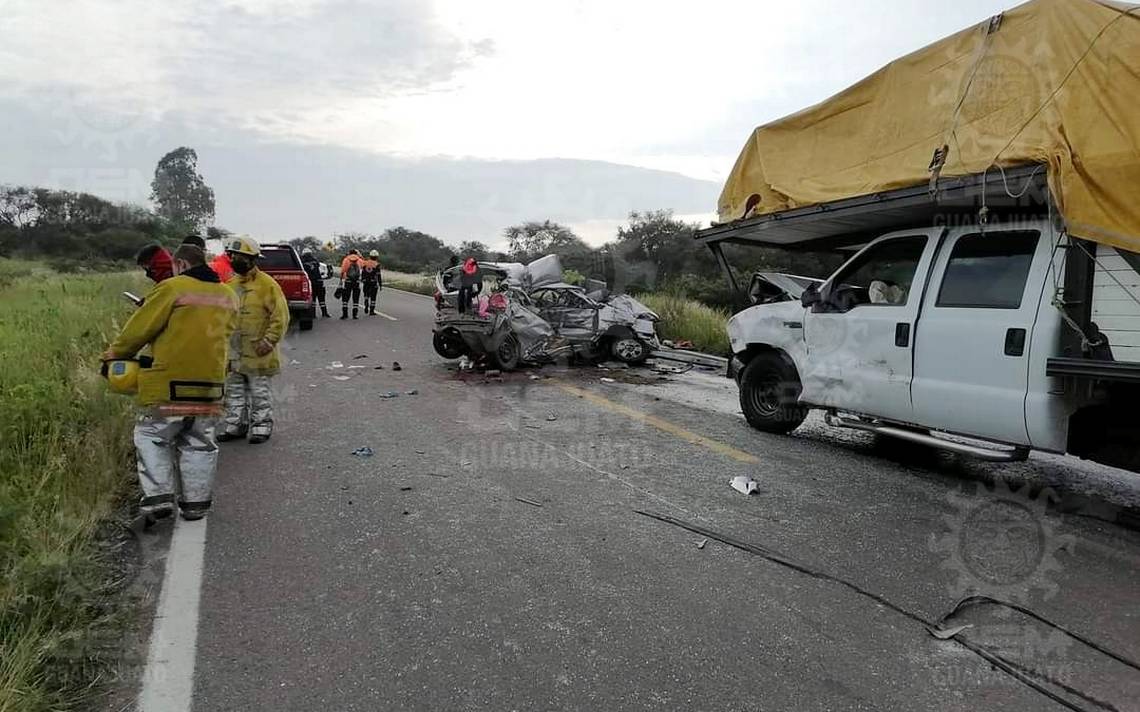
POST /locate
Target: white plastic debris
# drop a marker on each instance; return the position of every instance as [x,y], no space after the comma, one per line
[336,364]
[744,484]
[343,378]
[608,380]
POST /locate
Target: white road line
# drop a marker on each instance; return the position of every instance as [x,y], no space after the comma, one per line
[168,681]
[389,318]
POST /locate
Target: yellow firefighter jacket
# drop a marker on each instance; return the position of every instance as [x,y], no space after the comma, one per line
[264,315]
[187,321]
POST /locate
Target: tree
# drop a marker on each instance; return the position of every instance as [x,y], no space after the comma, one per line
[474,248]
[665,243]
[533,239]
[18,208]
[180,192]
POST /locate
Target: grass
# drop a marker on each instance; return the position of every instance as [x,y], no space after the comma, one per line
[687,320]
[418,283]
[65,464]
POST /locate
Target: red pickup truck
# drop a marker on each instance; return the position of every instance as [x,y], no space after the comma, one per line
[280,261]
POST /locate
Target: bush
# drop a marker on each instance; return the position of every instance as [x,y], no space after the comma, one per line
[687,320]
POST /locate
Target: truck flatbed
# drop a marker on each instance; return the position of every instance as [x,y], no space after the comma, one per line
[852,221]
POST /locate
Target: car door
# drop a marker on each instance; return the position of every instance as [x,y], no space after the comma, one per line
[973,340]
[859,337]
[571,314]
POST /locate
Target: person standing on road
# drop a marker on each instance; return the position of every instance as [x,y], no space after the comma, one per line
[371,281]
[350,271]
[313,269]
[254,360]
[187,321]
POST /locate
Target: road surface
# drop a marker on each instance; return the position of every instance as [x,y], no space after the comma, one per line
[490,554]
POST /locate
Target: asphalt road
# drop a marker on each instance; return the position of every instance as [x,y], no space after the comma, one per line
[416,579]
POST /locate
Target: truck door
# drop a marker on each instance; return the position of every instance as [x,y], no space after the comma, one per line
[859,337]
[973,339]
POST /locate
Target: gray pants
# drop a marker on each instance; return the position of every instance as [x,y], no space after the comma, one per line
[249,405]
[171,447]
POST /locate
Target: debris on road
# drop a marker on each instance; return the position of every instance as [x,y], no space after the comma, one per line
[412,392]
[535,378]
[357,358]
[363,452]
[701,543]
[390,394]
[421,452]
[335,364]
[406,488]
[744,484]
[294,362]
[492,372]
[607,380]
[948,633]
[551,417]
[343,378]
[396,366]
[436,474]
[531,502]
[377,368]
[352,368]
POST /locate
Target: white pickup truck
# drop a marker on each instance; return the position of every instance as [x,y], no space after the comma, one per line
[1005,332]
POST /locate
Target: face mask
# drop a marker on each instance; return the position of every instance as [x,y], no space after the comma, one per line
[241,265]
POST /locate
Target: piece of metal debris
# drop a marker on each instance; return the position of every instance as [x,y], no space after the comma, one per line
[552,417]
[396,366]
[531,502]
[412,392]
[743,484]
[406,488]
[342,378]
[701,543]
[607,380]
[357,358]
[390,394]
[948,633]
[336,364]
[363,452]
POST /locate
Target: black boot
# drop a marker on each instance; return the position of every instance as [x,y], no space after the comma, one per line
[325,312]
[344,312]
[354,310]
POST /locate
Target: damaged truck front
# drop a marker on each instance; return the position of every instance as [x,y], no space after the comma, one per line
[994,300]
[526,314]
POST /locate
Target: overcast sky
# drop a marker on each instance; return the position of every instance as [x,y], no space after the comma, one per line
[92,93]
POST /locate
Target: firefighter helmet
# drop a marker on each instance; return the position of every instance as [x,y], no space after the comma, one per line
[243,245]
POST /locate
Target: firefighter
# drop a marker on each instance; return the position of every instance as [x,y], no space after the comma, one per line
[313,269]
[187,321]
[350,272]
[254,359]
[371,281]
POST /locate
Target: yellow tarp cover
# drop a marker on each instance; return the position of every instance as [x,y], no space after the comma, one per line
[1051,81]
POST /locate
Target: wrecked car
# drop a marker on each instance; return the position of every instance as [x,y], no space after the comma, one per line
[527,314]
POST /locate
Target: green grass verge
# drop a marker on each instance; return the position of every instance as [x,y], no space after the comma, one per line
[418,283]
[688,320]
[65,463]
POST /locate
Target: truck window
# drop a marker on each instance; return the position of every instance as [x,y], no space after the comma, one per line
[881,276]
[988,271]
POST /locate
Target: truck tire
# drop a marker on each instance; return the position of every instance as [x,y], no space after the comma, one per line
[629,349]
[508,353]
[447,346]
[769,394]
[306,324]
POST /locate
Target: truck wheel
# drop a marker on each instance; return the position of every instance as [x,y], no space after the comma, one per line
[446,346]
[769,395]
[507,355]
[306,324]
[629,349]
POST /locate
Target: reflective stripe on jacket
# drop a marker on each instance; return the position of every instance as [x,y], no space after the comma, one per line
[187,322]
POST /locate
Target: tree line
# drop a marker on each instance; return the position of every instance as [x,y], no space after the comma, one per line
[653,251]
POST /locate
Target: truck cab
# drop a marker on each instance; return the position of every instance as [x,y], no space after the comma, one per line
[1007,333]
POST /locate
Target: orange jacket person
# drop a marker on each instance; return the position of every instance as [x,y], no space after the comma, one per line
[371,281]
[351,269]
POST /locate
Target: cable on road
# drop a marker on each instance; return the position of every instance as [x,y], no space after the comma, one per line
[1016,671]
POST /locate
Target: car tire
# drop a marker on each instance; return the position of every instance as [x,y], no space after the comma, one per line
[508,353]
[306,324]
[629,349]
[769,394]
[447,346]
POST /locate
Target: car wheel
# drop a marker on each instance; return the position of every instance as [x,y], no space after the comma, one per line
[769,394]
[508,354]
[306,324]
[629,349]
[447,346]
